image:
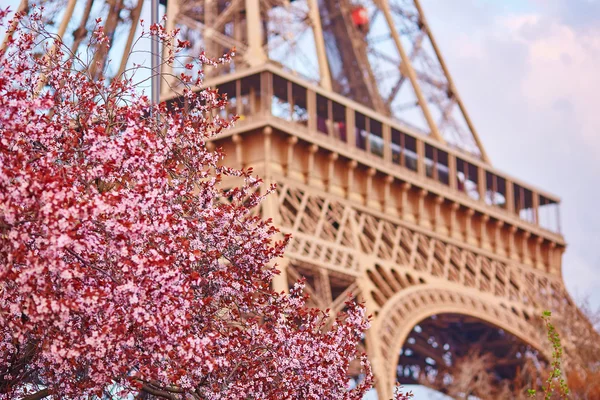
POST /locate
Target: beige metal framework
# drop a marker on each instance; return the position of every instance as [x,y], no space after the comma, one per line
[393,65]
[446,251]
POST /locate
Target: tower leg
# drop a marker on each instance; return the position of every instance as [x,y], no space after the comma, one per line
[255,55]
[380,373]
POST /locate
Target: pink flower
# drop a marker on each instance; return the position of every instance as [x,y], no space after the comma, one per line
[120,266]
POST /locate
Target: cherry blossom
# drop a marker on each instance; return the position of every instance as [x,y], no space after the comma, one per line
[122,269]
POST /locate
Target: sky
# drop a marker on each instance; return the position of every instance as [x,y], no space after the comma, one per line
[529,74]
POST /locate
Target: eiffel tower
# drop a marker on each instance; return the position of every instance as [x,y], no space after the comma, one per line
[382,180]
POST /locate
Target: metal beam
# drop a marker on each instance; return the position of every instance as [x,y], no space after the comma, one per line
[23,7]
[409,71]
[135,17]
[255,55]
[463,109]
[313,12]
[167,69]
[155,55]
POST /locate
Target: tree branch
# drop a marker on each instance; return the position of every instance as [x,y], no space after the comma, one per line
[81,260]
[39,395]
[157,392]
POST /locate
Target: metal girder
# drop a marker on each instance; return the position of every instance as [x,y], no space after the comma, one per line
[451,85]
[354,76]
[349,58]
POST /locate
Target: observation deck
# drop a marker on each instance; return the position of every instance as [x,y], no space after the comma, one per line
[292,129]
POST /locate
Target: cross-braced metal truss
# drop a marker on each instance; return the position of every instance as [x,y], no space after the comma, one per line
[336,235]
[388,61]
[405,277]
[391,63]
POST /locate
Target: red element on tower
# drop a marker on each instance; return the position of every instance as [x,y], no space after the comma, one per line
[360,16]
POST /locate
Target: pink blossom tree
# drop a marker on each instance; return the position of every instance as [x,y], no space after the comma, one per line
[122,274]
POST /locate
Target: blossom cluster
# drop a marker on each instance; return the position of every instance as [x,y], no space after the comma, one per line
[121,270]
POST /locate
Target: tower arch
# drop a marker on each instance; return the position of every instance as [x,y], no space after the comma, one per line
[412,306]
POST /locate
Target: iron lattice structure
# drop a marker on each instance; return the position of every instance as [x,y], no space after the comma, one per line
[382,179]
[391,63]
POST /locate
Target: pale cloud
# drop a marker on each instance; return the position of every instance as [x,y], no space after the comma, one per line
[580,14]
[529,78]
[563,70]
